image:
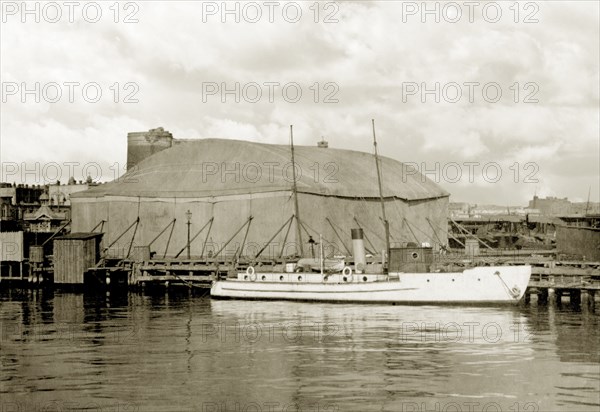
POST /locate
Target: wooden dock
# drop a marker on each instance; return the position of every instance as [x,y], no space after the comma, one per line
[579,281]
[551,279]
[193,273]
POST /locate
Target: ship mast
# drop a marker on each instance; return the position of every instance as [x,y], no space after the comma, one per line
[295,192]
[385,221]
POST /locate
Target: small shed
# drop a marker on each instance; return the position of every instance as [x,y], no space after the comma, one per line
[74,254]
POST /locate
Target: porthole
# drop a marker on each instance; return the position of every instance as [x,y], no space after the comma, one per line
[415,255]
[263,278]
[364,278]
[245,277]
[281,278]
[299,278]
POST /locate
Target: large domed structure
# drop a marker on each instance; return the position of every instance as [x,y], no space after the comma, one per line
[231,180]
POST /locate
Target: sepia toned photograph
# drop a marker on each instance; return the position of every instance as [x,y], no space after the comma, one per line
[311,205]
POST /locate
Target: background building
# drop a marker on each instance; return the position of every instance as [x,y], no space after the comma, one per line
[554,206]
[60,194]
[231,180]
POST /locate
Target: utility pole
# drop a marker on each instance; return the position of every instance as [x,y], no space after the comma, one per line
[188,215]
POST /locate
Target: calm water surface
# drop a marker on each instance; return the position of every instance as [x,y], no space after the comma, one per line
[180,352]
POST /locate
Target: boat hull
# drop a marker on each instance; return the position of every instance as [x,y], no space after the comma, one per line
[489,284]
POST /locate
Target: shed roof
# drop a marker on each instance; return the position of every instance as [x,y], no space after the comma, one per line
[80,235]
[45,212]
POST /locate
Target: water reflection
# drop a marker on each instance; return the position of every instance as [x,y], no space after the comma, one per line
[183,352]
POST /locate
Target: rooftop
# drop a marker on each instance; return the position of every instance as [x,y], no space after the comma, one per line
[213,167]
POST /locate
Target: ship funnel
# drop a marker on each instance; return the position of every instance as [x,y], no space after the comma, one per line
[358,249]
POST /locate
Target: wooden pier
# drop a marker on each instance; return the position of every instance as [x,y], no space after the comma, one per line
[171,272]
[551,281]
[579,281]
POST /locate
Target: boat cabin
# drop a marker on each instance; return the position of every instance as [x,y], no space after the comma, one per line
[410,259]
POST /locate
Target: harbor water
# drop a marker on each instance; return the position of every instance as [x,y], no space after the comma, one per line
[183,352]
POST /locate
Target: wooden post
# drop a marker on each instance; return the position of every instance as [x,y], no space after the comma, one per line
[542,296]
[585,299]
[552,296]
[575,297]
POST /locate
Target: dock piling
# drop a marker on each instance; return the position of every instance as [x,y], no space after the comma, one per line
[575,297]
[553,297]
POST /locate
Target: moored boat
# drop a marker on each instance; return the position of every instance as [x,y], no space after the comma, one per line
[407,280]
[478,285]
[403,274]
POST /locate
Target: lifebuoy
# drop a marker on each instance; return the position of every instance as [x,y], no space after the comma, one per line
[250,272]
[347,272]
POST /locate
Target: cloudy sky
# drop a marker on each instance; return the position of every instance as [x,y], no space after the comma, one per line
[430,77]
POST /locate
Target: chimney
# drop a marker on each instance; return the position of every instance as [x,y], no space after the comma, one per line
[358,250]
[141,145]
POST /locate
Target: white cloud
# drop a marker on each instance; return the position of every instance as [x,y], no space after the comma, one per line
[170,53]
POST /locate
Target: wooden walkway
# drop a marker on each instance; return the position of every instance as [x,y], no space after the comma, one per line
[551,279]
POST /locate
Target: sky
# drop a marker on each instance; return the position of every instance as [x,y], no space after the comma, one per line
[495,101]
